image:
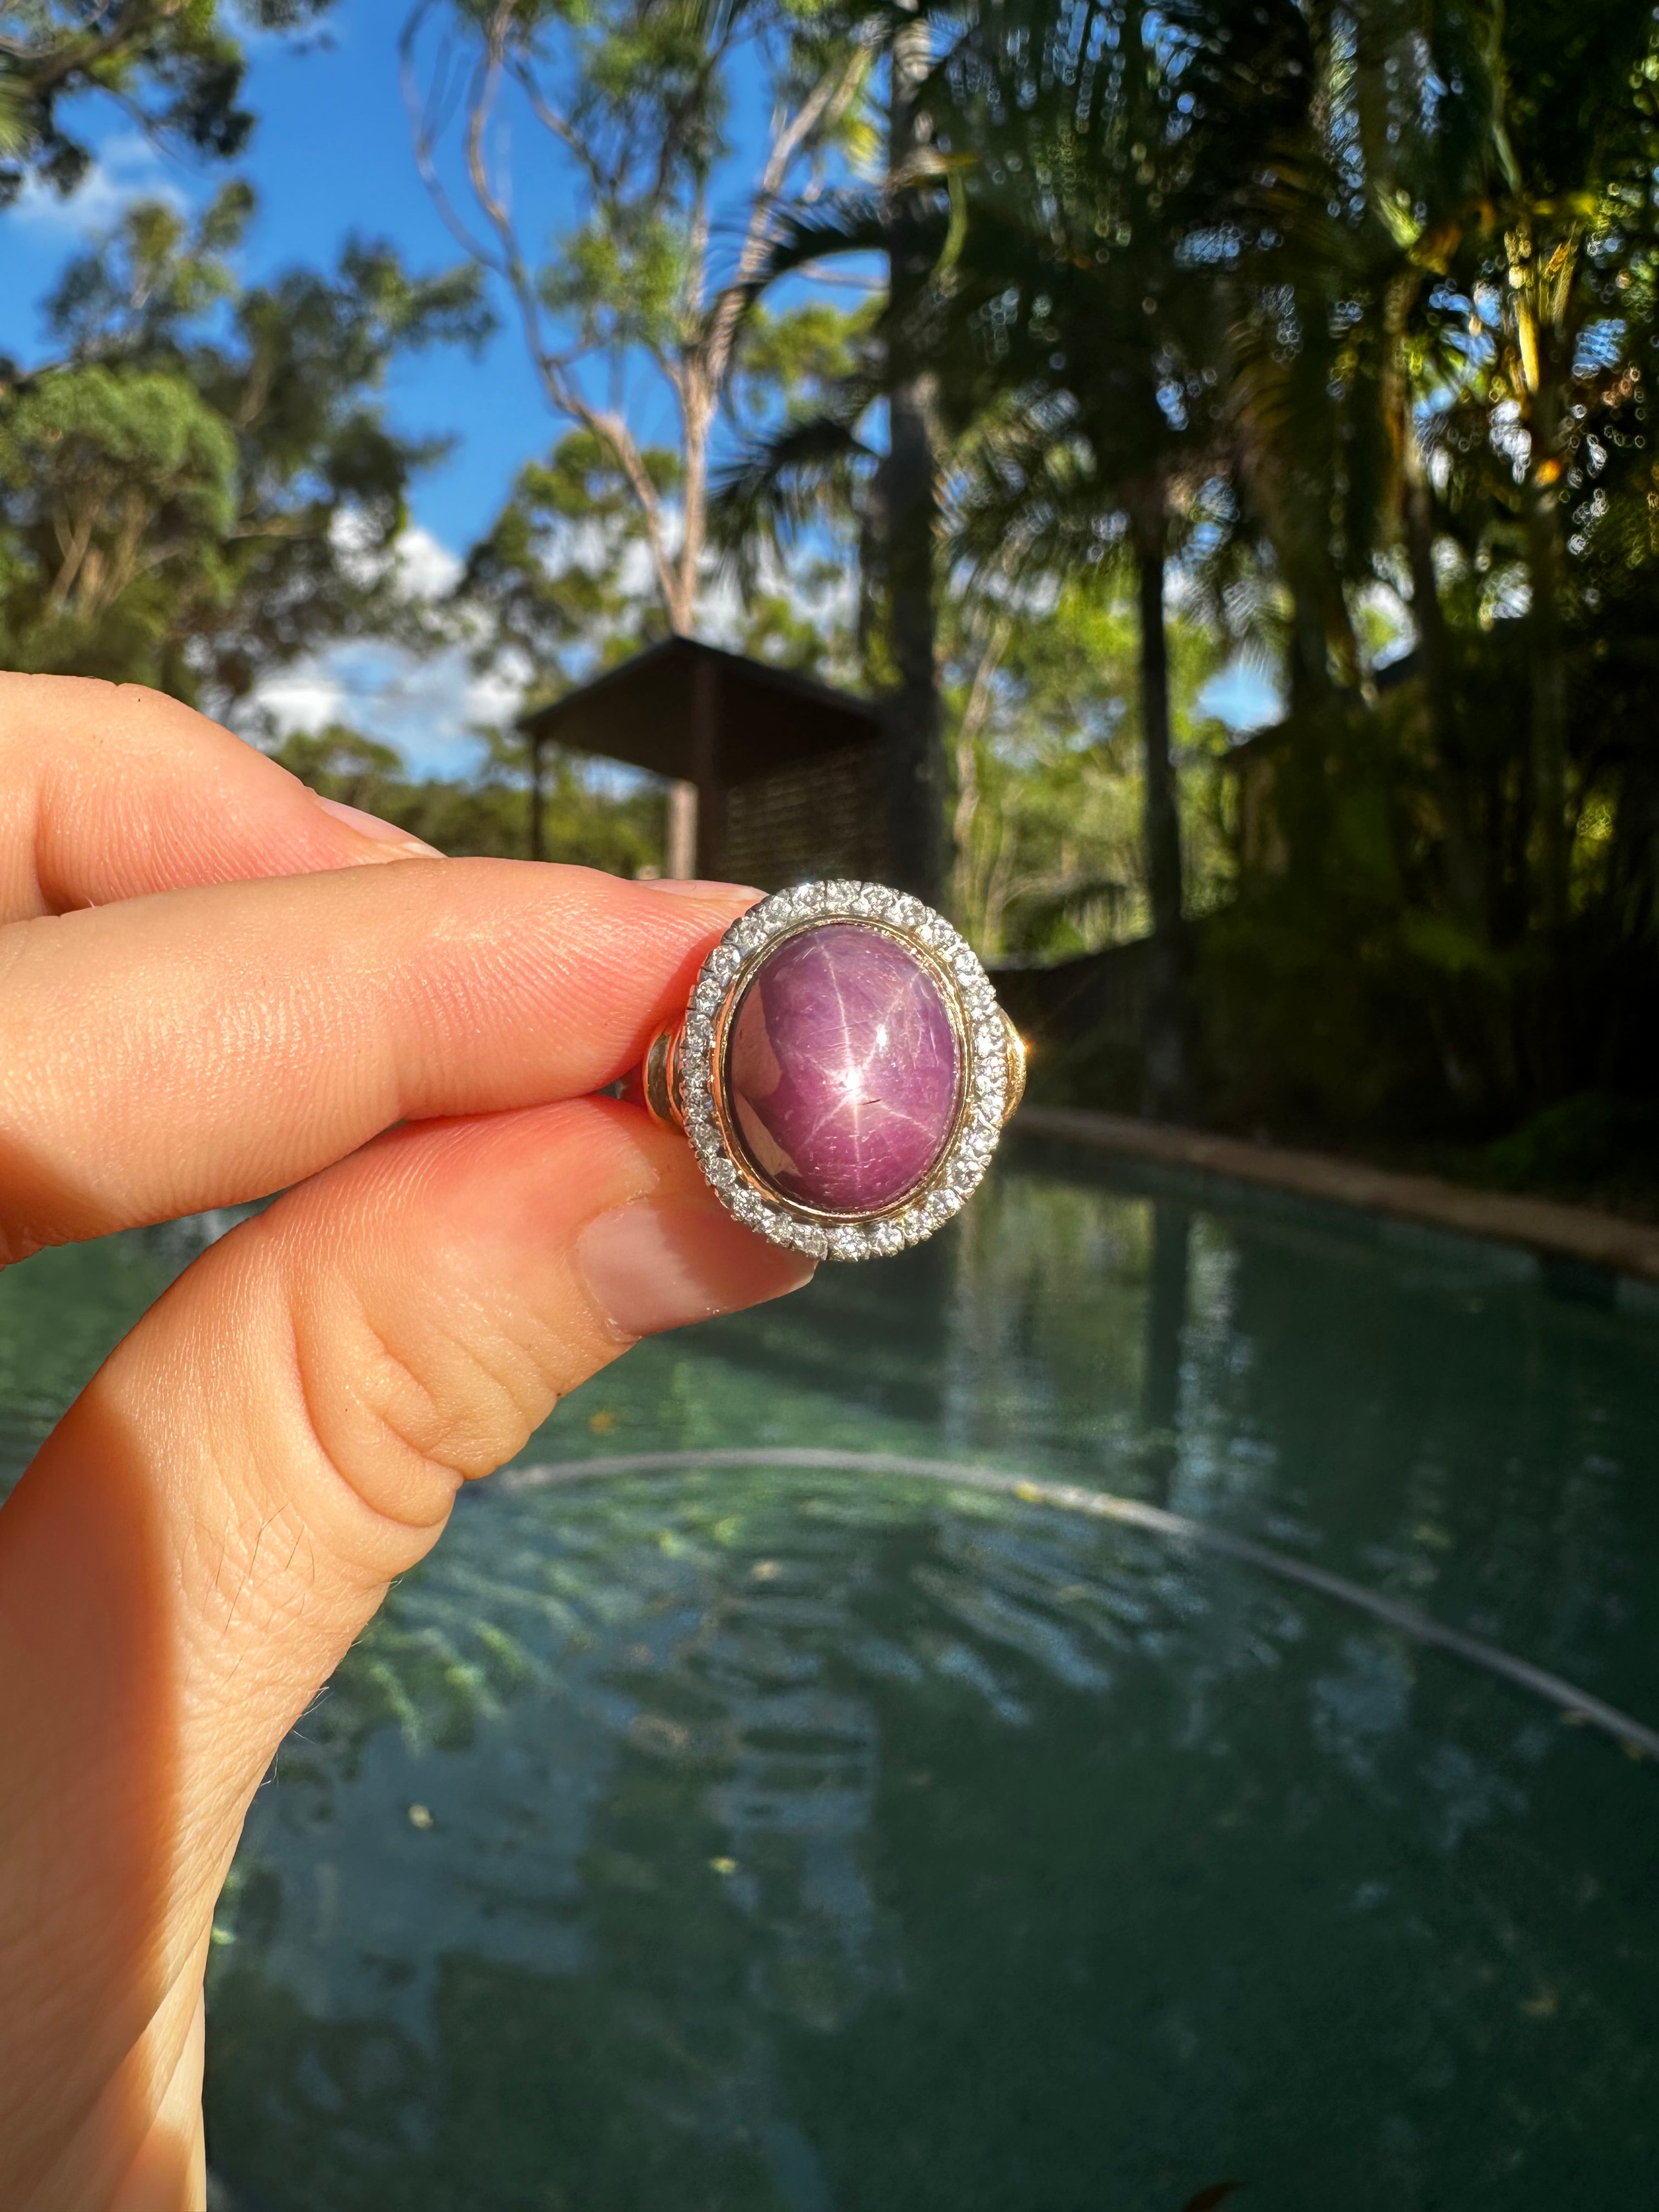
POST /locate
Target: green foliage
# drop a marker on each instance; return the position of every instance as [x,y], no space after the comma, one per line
[487,812]
[1594,1145]
[1044,725]
[202,488]
[555,583]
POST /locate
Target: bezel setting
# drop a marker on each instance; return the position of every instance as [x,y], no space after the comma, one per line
[987,1084]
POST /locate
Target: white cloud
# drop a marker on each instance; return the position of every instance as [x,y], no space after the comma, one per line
[494,696]
[306,697]
[127,169]
[426,567]
[429,709]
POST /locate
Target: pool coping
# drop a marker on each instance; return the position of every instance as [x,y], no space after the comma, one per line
[1541,1225]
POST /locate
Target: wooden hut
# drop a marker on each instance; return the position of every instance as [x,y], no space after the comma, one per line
[773,778]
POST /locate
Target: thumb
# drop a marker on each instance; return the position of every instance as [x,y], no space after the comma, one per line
[219,1515]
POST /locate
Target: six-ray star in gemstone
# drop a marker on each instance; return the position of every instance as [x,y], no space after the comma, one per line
[842,1069]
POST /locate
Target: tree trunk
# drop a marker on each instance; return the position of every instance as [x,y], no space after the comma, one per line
[916,784]
[1465,875]
[680,838]
[1428,617]
[535,842]
[1166,1323]
[1310,683]
[1168,1083]
[1549,698]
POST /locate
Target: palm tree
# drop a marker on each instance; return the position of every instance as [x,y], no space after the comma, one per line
[1432,280]
[1117,150]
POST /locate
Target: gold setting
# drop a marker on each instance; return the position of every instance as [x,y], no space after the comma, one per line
[990,1059]
[732,1135]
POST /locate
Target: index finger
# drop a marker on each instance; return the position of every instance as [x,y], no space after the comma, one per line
[209,1046]
[109,792]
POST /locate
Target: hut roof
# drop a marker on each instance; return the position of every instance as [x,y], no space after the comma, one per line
[764,718]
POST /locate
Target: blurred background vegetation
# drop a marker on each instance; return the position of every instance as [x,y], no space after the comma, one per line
[1063,372]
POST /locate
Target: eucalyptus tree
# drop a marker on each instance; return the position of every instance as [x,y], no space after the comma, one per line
[636,301]
[558,583]
[202,488]
[176,69]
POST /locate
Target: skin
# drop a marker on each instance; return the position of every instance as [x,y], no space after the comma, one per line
[210,989]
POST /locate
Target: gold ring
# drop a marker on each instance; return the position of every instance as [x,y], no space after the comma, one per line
[842,1070]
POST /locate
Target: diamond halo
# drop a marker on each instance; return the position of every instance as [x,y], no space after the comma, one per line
[983,1041]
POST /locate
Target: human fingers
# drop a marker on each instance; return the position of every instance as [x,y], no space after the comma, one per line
[203,1047]
[110,791]
[220,1513]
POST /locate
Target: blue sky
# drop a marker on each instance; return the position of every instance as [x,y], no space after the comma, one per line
[332,155]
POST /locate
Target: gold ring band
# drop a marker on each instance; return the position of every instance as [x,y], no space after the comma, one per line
[687,1080]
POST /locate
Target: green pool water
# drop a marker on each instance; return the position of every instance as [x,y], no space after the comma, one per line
[769,1841]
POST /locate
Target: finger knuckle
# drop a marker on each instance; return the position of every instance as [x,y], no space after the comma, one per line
[407,1405]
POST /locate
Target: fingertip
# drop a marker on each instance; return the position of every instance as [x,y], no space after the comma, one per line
[724,901]
[665,1261]
[704,887]
[386,840]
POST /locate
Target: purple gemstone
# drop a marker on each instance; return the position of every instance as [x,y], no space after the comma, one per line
[842,1069]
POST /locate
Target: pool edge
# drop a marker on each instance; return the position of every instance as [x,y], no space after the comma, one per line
[1554,1232]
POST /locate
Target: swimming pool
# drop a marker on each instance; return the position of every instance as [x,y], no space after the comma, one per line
[806,1838]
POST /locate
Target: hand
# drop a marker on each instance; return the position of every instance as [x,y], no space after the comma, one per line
[212,987]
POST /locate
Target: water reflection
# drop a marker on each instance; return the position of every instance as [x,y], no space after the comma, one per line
[828,1847]
[1166,1323]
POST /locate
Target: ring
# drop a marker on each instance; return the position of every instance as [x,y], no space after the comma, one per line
[842,1070]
